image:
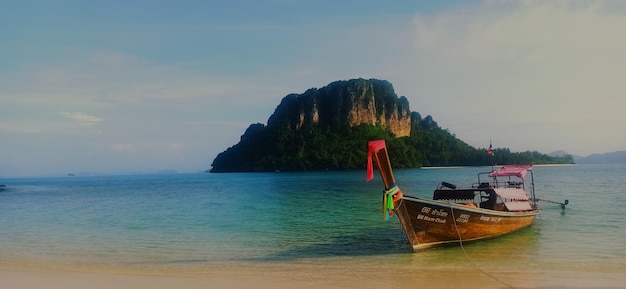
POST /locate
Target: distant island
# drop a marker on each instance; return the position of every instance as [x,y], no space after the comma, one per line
[618,157]
[328,129]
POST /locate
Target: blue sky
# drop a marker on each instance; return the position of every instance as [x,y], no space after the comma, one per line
[144,86]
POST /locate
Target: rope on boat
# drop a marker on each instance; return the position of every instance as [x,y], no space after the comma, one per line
[470,260]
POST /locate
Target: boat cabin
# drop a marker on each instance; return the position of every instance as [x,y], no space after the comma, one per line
[504,190]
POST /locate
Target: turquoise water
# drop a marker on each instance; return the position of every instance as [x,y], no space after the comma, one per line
[200,220]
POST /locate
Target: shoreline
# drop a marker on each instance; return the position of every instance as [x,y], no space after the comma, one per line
[304,275]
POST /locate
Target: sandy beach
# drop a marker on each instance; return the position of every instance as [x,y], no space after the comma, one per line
[302,276]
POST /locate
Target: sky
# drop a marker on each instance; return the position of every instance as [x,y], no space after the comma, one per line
[113,87]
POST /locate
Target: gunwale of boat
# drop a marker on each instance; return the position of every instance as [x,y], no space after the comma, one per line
[472,209]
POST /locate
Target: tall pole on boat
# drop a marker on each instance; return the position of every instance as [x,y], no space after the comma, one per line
[493,157]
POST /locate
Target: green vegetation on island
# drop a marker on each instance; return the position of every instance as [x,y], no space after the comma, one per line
[328,129]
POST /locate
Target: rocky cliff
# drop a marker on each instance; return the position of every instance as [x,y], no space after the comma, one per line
[344,104]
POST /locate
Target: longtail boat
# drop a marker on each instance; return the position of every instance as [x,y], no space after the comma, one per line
[497,204]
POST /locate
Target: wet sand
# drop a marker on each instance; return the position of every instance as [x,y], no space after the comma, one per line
[277,276]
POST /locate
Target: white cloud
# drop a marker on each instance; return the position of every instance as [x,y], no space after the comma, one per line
[552,65]
[123,147]
[82,117]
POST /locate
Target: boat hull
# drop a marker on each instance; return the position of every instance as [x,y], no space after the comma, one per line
[432,223]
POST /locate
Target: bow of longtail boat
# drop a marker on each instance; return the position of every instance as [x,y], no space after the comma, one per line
[485,210]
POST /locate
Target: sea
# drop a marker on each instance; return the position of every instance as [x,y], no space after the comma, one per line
[201,221]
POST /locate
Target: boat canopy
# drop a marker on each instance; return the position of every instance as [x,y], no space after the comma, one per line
[512,171]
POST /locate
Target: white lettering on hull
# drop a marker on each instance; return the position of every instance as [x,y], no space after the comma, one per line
[463,218]
[431,219]
[490,219]
[430,215]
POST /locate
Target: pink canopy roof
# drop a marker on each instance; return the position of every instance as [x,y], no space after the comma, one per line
[512,171]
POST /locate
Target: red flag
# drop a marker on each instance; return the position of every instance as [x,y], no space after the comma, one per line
[373,147]
[490,150]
